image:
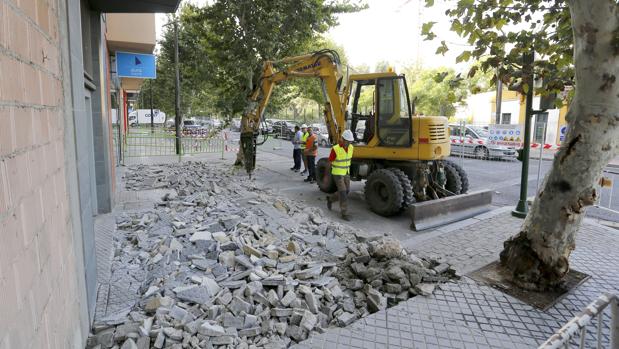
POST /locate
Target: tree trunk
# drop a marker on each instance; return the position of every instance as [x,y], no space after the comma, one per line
[538,257]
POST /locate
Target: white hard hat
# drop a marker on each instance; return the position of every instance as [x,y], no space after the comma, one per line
[348,136]
[304,126]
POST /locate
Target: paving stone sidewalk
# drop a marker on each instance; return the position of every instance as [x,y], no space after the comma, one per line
[462,314]
[466,314]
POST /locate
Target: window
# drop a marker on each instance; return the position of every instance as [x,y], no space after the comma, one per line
[394,121]
[506,118]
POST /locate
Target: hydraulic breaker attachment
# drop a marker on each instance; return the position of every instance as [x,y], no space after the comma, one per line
[248,146]
[434,213]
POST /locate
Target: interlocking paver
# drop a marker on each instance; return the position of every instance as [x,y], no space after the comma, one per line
[466,314]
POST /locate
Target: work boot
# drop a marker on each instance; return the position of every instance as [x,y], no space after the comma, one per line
[346,217]
[309,180]
[329,203]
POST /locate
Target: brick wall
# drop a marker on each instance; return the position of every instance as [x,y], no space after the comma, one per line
[39,295]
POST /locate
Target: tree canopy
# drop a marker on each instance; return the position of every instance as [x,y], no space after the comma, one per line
[223,44]
[438,90]
[501,31]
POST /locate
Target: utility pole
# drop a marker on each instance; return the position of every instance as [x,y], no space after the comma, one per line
[152,116]
[527,67]
[177,98]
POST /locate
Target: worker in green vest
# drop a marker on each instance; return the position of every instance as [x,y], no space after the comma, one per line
[339,160]
[303,145]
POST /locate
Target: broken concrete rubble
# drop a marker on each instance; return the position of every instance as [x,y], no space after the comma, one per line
[220,263]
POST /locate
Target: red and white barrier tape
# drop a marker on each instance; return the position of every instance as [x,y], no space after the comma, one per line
[227,147]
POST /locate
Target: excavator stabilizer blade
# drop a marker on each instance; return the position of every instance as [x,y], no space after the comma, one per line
[434,213]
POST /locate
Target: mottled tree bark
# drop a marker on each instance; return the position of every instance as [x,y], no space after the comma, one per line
[538,257]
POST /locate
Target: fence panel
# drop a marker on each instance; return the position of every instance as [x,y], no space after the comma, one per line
[143,143]
[575,333]
[608,191]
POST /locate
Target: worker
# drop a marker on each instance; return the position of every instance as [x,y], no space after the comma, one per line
[339,162]
[297,153]
[311,151]
[303,140]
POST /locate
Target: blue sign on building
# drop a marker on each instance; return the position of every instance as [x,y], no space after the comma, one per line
[135,65]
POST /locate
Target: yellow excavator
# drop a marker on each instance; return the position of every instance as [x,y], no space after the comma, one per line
[402,157]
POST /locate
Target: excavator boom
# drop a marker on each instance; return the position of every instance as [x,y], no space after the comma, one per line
[323,65]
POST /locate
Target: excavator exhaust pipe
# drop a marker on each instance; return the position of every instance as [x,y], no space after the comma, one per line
[434,213]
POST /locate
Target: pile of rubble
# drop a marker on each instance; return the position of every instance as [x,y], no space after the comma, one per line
[221,264]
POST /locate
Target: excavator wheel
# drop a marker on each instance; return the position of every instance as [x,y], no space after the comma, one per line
[322,169]
[407,187]
[454,184]
[384,193]
[464,178]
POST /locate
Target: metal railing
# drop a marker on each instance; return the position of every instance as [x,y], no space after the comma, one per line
[577,327]
[606,190]
[138,143]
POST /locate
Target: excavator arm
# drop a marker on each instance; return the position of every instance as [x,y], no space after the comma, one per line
[323,65]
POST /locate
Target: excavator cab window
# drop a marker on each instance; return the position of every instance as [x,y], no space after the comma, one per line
[361,109]
[393,112]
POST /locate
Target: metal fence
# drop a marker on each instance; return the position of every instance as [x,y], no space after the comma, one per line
[480,141]
[575,331]
[607,187]
[144,143]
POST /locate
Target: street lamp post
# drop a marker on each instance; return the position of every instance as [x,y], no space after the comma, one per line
[152,116]
[527,66]
[177,99]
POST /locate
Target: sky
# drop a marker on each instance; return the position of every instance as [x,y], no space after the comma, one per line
[389,30]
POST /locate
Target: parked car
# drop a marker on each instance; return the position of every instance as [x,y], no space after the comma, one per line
[191,125]
[235,125]
[322,134]
[283,129]
[266,127]
[323,139]
[476,143]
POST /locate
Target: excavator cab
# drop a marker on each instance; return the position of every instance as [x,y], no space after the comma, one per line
[379,111]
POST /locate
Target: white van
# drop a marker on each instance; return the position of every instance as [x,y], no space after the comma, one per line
[142,117]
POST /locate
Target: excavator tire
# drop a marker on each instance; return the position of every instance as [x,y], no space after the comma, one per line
[322,169]
[407,187]
[454,184]
[464,178]
[384,193]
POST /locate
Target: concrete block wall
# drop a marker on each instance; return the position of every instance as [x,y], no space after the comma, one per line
[39,284]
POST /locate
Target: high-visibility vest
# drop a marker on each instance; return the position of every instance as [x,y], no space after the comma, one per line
[303,140]
[341,165]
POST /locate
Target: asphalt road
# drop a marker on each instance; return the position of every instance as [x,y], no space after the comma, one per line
[503,177]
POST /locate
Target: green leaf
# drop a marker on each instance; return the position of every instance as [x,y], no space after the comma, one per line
[426,30]
[439,77]
[473,71]
[429,3]
[463,57]
[442,49]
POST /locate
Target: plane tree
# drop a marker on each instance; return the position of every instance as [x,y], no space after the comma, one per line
[577,46]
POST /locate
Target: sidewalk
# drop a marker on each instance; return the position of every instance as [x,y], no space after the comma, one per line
[462,314]
[466,314]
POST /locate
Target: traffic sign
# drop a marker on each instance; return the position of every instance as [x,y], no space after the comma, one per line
[562,133]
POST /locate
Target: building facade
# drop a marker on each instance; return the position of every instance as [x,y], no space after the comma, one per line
[57,157]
